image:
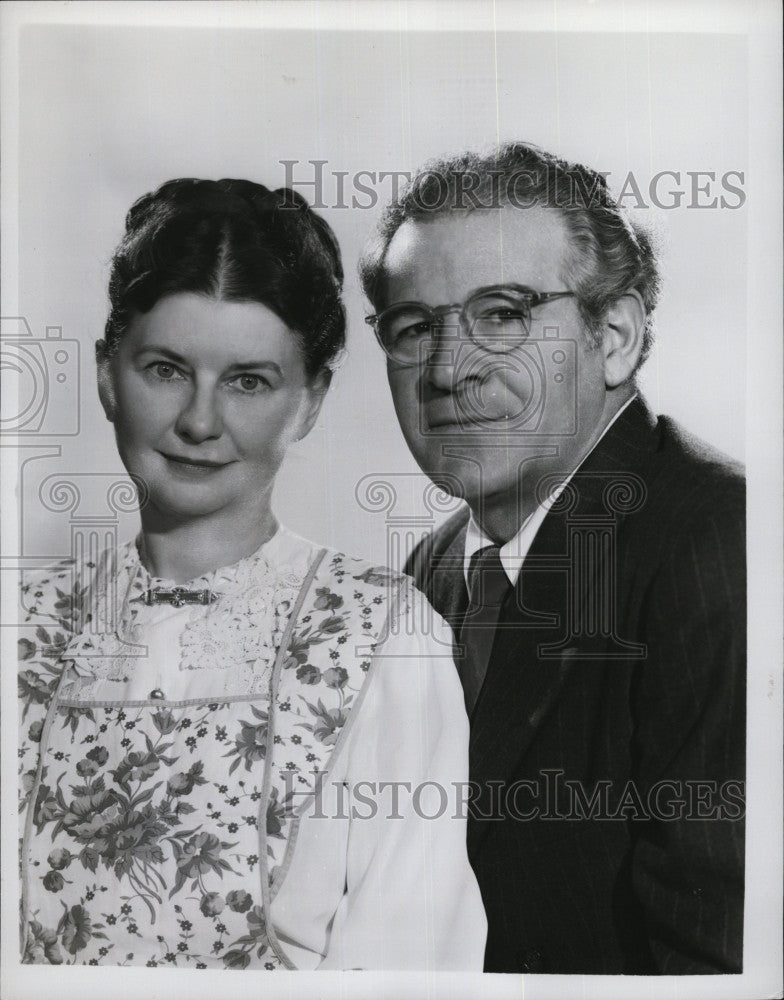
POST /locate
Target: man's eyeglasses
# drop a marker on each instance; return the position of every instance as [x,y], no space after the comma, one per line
[496,318]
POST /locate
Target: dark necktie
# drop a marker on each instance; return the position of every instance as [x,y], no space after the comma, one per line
[488,586]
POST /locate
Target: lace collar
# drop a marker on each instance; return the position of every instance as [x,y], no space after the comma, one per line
[241,628]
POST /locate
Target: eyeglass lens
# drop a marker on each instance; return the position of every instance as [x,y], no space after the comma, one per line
[497,321]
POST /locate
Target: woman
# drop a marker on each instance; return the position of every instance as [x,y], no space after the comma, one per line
[196,704]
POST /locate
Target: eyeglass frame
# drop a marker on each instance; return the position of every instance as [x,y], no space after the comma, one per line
[436,312]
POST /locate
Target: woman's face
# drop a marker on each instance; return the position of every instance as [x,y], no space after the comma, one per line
[205,397]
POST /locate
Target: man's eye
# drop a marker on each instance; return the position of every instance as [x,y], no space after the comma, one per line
[502,313]
[165,371]
[420,329]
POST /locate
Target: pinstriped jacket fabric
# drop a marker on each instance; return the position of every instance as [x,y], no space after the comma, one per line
[608,743]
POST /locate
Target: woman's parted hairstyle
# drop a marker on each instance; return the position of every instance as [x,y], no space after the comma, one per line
[611,253]
[236,241]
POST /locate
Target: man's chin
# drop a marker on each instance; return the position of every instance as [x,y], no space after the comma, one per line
[450,483]
[484,479]
[458,477]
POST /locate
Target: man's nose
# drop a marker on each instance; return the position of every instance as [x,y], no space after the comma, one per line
[446,343]
[201,417]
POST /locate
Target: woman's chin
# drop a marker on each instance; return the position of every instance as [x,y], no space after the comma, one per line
[181,506]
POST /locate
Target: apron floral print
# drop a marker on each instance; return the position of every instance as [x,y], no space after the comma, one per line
[156,831]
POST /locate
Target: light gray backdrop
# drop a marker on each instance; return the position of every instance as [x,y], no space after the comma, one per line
[108,113]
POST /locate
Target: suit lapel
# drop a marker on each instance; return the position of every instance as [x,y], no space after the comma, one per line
[445,585]
[533,654]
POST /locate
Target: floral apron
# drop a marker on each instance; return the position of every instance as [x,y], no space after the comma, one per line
[158,832]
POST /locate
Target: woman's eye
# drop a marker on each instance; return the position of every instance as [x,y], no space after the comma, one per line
[251,383]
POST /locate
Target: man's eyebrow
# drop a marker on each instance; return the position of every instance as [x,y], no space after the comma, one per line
[501,287]
[508,287]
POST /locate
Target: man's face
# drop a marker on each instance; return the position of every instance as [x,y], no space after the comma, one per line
[490,426]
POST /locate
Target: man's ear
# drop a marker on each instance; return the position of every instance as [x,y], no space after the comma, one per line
[624,327]
[106,392]
[317,390]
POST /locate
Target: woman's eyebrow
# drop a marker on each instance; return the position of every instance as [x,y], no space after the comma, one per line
[245,365]
[165,351]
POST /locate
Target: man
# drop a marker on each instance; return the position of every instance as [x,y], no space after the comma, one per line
[595,579]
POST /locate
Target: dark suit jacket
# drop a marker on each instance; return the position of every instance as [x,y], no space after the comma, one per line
[612,719]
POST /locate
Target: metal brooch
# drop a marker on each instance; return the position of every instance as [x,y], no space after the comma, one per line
[178,596]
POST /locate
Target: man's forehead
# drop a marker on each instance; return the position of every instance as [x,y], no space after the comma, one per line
[440,260]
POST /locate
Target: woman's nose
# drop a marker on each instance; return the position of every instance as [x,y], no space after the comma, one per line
[201,418]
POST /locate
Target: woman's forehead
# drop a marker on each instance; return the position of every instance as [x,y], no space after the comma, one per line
[222,332]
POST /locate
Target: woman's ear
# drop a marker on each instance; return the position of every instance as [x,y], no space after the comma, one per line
[317,390]
[106,392]
[624,327]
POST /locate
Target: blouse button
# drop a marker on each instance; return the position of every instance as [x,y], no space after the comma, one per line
[157,694]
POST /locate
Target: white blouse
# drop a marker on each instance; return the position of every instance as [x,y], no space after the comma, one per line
[376,874]
[402,891]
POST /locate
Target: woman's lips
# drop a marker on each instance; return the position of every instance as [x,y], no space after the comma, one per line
[199,466]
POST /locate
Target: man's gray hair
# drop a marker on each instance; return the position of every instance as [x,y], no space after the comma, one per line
[611,253]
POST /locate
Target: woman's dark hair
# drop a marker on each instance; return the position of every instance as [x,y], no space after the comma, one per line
[237,241]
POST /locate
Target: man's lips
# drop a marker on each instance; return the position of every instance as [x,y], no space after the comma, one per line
[453,412]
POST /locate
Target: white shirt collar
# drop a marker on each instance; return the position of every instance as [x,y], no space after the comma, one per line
[513,552]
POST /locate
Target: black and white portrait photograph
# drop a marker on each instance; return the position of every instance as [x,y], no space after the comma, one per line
[392,499]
